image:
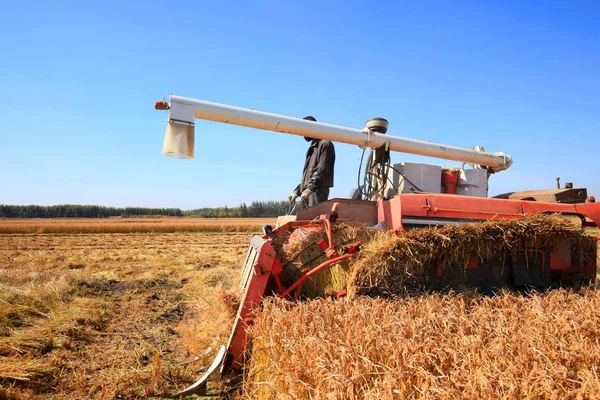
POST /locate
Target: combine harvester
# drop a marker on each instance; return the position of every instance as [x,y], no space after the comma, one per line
[396,197]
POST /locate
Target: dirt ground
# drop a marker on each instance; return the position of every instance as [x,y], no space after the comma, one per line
[102,316]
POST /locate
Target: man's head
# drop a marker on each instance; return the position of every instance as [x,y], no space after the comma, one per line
[309,118]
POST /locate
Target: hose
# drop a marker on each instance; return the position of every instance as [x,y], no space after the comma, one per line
[376,174]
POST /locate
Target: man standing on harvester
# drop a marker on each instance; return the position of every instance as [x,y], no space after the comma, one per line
[317,176]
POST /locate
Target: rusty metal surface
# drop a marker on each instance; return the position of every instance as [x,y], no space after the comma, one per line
[566,196]
[354,210]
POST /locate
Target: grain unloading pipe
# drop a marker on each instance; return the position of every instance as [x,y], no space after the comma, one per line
[179,138]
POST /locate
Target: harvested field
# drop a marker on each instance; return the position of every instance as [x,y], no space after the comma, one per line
[123,315]
[456,346]
[103,316]
[133,225]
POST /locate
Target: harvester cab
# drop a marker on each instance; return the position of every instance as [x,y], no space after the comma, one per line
[393,197]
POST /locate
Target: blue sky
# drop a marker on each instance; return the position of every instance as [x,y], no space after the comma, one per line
[78,81]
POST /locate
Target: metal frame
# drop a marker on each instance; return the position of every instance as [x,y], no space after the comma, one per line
[447,207]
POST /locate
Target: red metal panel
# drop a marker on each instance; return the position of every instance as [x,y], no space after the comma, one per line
[590,210]
[472,263]
[472,208]
[266,261]
[352,210]
[391,212]
[560,258]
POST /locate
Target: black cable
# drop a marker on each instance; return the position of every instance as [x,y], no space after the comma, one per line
[359,169]
[408,180]
[378,177]
[382,174]
[366,184]
[374,170]
[366,190]
[392,184]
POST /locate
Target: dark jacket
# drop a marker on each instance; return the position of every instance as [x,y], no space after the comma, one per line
[318,167]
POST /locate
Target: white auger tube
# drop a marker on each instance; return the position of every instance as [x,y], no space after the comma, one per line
[183,111]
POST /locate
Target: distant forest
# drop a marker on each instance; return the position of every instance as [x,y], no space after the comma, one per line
[255,209]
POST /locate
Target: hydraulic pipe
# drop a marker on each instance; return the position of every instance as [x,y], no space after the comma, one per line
[183,110]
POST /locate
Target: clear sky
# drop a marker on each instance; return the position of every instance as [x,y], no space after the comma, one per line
[78,81]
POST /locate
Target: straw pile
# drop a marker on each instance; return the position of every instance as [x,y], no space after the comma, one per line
[466,346]
[390,264]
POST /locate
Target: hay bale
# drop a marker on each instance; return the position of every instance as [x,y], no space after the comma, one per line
[390,264]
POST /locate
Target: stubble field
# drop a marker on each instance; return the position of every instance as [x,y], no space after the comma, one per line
[132,225]
[108,315]
[138,314]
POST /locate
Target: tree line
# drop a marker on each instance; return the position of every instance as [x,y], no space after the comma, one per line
[255,209]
